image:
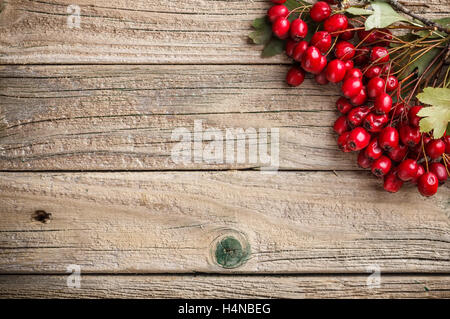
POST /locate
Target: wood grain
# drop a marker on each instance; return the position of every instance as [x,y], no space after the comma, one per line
[122,117]
[145,31]
[293,222]
[198,286]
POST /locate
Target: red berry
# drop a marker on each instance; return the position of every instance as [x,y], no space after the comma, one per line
[439,170]
[374,123]
[399,109]
[278,1]
[299,50]
[298,30]
[367,37]
[295,76]
[359,99]
[435,148]
[386,69]
[357,115]
[398,154]
[363,160]
[344,50]
[362,56]
[409,135]
[358,139]
[290,47]
[321,40]
[349,34]
[320,11]
[342,142]
[352,87]
[372,71]
[349,65]
[341,125]
[447,143]
[428,184]
[375,87]
[343,105]
[373,151]
[391,83]
[313,61]
[353,73]
[321,78]
[407,170]
[335,71]
[383,103]
[381,166]
[420,172]
[281,28]
[412,115]
[279,11]
[384,37]
[392,183]
[337,22]
[379,55]
[388,138]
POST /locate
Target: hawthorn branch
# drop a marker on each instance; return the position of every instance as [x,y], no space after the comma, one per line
[402,8]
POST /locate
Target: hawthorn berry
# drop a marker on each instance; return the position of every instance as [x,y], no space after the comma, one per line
[290,47]
[374,123]
[435,148]
[381,166]
[412,115]
[420,172]
[349,65]
[398,153]
[367,37]
[341,125]
[373,151]
[344,50]
[299,50]
[428,184]
[362,56]
[281,28]
[342,142]
[372,71]
[375,87]
[278,1]
[298,29]
[348,34]
[388,138]
[335,71]
[343,105]
[358,139]
[383,103]
[409,135]
[337,22]
[447,143]
[295,76]
[353,73]
[379,55]
[352,87]
[407,170]
[357,115]
[321,40]
[392,183]
[313,61]
[363,160]
[360,98]
[321,78]
[320,11]
[391,83]
[278,11]
[440,171]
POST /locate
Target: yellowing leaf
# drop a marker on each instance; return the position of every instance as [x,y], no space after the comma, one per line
[436,118]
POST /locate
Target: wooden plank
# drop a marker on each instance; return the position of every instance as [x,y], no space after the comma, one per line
[145,31]
[173,222]
[122,117]
[104,286]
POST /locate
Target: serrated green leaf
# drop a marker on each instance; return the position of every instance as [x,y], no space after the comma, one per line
[359,11]
[435,97]
[420,64]
[263,31]
[436,118]
[384,15]
[274,47]
[445,22]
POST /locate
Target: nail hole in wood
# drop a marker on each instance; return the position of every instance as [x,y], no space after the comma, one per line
[42,216]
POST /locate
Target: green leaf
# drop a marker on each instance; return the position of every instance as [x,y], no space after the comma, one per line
[420,64]
[384,15]
[436,118]
[293,4]
[445,22]
[359,11]
[274,47]
[263,31]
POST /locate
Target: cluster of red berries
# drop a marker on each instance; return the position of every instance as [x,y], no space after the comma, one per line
[386,134]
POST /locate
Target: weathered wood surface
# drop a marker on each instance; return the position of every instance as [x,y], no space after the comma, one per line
[103,286]
[145,31]
[122,117]
[155,222]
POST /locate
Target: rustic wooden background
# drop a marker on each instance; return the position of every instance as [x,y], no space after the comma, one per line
[86,176]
